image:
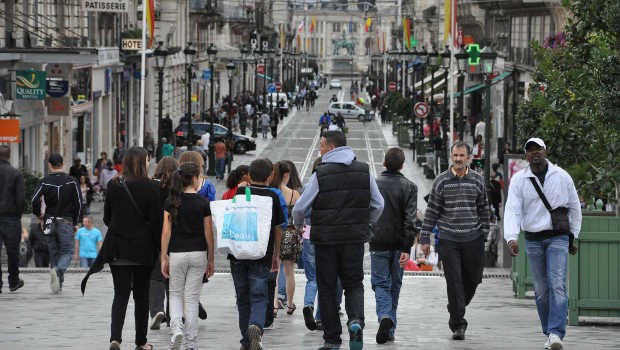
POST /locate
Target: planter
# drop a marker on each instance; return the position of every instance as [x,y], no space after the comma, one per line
[403,135]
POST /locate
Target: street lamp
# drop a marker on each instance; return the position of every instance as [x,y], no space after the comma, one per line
[189,52]
[230,69]
[461,61]
[445,65]
[212,53]
[244,55]
[487,59]
[160,53]
[270,56]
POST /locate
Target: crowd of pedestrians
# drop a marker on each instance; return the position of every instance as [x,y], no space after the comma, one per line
[159,241]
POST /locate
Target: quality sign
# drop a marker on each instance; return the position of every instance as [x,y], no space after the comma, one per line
[30,85]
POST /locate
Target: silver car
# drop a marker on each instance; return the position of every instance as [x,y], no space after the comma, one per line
[335,84]
[350,110]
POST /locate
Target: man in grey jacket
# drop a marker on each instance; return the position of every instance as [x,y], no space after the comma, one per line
[343,199]
[391,241]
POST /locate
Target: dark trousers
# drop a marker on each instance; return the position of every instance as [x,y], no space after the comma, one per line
[157,295]
[344,261]
[271,293]
[127,279]
[41,258]
[462,263]
[10,235]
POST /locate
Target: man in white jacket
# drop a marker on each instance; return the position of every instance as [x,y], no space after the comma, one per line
[528,208]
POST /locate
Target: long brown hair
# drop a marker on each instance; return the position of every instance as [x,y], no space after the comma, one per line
[134,164]
[164,170]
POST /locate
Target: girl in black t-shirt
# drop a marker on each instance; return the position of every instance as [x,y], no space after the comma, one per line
[186,252]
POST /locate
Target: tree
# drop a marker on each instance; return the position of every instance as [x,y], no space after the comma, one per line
[575,100]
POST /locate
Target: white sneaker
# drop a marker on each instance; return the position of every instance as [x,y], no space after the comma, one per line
[547,344]
[54,281]
[555,343]
[176,340]
[157,320]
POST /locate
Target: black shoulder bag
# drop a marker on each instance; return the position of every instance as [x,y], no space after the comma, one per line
[559,215]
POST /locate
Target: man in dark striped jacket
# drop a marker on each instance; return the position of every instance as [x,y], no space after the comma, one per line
[458,206]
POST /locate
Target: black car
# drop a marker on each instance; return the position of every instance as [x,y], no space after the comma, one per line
[242,143]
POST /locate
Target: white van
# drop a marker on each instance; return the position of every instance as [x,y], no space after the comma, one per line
[274,97]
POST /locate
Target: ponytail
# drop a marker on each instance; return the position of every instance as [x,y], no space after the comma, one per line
[181,178]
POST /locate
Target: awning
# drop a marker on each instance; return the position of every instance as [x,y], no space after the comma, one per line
[495,80]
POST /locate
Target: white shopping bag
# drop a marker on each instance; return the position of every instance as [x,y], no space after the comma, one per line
[242,225]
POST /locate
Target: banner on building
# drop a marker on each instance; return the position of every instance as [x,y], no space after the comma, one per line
[9,130]
[106,5]
[30,85]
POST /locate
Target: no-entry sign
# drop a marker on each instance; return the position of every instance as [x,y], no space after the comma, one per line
[420,109]
[392,86]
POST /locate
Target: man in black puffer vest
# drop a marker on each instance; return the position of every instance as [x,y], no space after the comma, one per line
[343,199]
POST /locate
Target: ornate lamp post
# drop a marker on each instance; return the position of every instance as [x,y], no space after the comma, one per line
[487,58]
[445,65]
[161,52]
[433,62]
[190,52]
[230,69]
[212,53]
[461,62]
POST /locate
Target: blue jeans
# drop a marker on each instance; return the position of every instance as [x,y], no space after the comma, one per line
[86,262]
[548,259]
[250,279]
[281,283]
[220,166]
[310,269]
[60,243]
[386,278]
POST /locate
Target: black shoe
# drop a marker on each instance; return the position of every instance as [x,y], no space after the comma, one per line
[202,313]
[18,286]
[327,346]
[308,312]
[459,334]
[319,325]
[356,337]
[383,334]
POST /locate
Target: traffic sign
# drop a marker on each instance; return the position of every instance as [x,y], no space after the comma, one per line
[421,110]
[206,74]
[271,88]
[278,86]
[392,86]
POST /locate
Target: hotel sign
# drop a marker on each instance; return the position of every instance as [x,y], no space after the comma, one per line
[130,44]
[30,85]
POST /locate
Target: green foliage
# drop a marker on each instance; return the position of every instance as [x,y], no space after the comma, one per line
[288,85]
[574,104]
[31,181]
[399,105]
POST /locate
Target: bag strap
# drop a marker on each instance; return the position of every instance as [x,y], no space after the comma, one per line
[131,199]
[248,195]
[540,193]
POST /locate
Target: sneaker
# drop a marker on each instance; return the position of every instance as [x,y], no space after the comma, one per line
[17,286]
[308,312]
[459,334]
[254,335]
[383,334]
[319,325]
[202,313]
[547,343]
[157,320]
[356,338]
[176,340]
[54,281]
[555,342]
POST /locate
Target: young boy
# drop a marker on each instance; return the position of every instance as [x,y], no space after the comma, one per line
[251,276]
[87,242]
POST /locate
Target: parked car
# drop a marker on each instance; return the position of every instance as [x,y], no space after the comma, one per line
[350,110]
[335,84]
[243,144]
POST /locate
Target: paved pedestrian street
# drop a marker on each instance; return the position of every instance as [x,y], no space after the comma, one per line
[33,318]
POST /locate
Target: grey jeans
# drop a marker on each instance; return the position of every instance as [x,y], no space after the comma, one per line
[186,271]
